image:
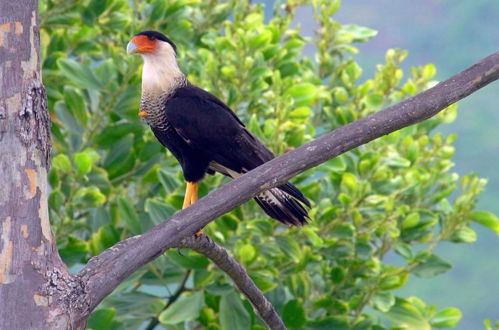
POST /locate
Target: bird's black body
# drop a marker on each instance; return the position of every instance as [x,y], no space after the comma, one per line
[207,137]
[197,132]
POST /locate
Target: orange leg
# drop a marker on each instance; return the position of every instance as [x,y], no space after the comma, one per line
[191,196]
[143,114]
[194,195]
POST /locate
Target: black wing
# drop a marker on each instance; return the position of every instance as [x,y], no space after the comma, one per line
[208,125]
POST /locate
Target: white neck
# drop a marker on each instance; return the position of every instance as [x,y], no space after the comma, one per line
[161,73]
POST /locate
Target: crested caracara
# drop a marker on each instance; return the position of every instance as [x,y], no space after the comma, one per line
[201,131]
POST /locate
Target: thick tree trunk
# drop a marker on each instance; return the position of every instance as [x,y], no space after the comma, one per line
[30,266]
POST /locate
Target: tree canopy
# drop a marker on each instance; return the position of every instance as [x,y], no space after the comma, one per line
[111,179]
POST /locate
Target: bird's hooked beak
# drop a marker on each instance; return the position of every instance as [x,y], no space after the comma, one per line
[131,48]
[141,44]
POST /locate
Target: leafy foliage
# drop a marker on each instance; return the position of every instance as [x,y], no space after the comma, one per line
[111,179]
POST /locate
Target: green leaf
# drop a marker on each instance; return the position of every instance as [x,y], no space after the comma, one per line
[397,162]
[341,94]
[344,230]
[394,282]
[168,180]
[336,164]
[254,126]
[446,318]
[88,17]
[486,219]
[375,100]
[337,274]
[90,195]
[158,211]
[56,199]
[189,261]
[202,277]
[233,315]
[64,19]
[464,235]
[62,162]
[432,267]
[293,314]
[261,39]
[102,319]
[352,72]
[74,250]
[83,163]
[79,74]
[489,326]
[130,303]
[383,301]
[114,133]
[303,94]
[247,253]
[301,113]
[264,283]
[429,71]
[76,104]
[349,180]
[404,315]
[336,323]
[98,6]
[219,289]
[411,221]
[69,122]
[129,215]
[312,236]
[404,250]
[290,247]
[187,308]
[119,159]
[105,237]
[359,33]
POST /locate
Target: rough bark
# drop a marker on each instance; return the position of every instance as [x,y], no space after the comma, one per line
[28,255]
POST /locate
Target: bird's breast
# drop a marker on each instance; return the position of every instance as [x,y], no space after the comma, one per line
[154,106]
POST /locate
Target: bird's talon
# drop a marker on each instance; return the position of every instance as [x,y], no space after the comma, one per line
[199,233]
[142,114]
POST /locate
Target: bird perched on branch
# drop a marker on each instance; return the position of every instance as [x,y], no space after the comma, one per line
[201,131]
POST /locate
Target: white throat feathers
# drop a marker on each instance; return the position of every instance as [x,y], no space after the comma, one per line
[161,74]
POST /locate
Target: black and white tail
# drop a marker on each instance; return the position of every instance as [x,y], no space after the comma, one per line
[284,203]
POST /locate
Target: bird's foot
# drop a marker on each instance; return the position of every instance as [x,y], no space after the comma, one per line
[199,233]
[142,114]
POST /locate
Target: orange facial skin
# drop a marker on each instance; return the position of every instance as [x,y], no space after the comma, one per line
[144,44]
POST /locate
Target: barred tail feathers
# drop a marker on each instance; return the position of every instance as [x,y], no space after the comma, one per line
[283,203]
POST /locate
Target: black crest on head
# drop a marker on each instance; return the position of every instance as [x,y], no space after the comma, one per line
[155,35]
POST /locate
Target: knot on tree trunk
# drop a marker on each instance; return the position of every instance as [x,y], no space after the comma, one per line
[67,294]
[33,122]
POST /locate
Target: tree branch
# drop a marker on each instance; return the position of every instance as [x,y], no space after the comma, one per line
[104,272]
[231,267]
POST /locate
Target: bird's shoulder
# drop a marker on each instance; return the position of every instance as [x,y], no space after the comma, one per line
[209,124]
[192,100]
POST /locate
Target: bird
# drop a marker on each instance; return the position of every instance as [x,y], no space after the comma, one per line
[202,132]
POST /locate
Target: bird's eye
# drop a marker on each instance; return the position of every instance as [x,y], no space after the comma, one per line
[152,38]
